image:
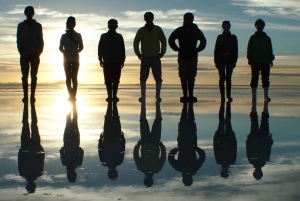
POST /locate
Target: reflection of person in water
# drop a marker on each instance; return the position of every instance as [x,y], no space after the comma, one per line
[71,154]
[225,145]
[31,154]
[153,152]
[187,161]
[111,147]
[259,142]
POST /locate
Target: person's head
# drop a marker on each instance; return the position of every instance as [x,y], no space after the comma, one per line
[29,12]
[112,24]
[258,173]
[148,180]
[187,179]
[30,186]
[71,175]
[188,18]
[149,17]
[226,26]
[112,174]
[71,23]
[259,25]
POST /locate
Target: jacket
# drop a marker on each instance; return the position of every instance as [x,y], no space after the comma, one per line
[226,49]
[187,38]
[30,38]
[69,48]
[111,47]
[152,43]
[259,50]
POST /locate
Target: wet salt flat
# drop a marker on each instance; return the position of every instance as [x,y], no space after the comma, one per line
[184,147]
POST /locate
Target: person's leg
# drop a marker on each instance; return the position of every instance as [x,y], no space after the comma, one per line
[192,72]
[157,74]
[229,70]
[183,78]
[144,73]
[221,71]
[35,62]
[254,80]
[116,80]
[265,75]
[68,73]
[108,80]
[25,71]
[75,68]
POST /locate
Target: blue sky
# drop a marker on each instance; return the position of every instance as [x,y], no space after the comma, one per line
[281,17]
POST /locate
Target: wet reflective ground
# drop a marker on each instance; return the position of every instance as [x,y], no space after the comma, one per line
[131,151]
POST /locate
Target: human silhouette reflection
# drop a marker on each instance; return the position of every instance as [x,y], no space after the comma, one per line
[71,154]
[225,145]
[31,154]
[259,141]
[111,147]
[153,152]
[187,161]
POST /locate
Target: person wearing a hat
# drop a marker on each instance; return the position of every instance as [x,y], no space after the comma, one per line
[71,45]
[30,45]
[111,54]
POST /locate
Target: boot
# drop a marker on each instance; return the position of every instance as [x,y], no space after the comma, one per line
[254,91]
[266,97]
[157,95]
[143,91]
[25,89]
[191,85]
[115,91]
[109,91]
[228,93]
[184,90]
[222,93]
[253,107]
[33,87]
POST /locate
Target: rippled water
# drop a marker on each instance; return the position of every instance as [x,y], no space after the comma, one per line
[167,151]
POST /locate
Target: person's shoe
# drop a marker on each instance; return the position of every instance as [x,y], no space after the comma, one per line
[184,99]
[108,99]
[116,99]
[267,99]
[193,99]
[32,99]
[158,99]
[229,99]
[222,98]
[142,99]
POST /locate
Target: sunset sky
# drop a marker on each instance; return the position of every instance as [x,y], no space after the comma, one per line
[282,25]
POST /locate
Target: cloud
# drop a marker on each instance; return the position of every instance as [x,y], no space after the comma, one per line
[288,8]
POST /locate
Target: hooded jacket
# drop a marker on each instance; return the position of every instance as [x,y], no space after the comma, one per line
[226,43]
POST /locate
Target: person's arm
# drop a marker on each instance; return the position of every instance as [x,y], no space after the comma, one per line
[202,40]
[61,45]
[163,42]
[123,51]
[80,44]
[136,149]
[136,42]
[100,50]
[216,51]
[162,153]
[272,57]
[235,52]
[41,40]
[19,41]
[250,50]
[172,39]
[62,156]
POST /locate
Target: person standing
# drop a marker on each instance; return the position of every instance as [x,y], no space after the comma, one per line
[187,36]
[225,57]
[111,54]
[30,44]
[71,45]
[260,57]
[153,48]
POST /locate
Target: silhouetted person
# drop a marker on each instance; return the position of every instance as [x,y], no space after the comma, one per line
[153,152]
[111,54]
[187,36]
[260,57]
[71,154]
[225,57]
[259,142]
[187,161]
[153,47]
[111,147]
[30,46]
[71,45]
[31,154]
[225,145]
